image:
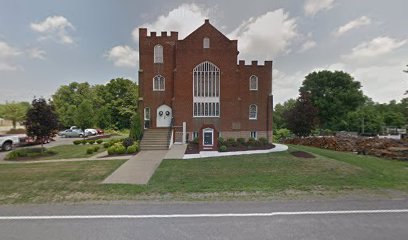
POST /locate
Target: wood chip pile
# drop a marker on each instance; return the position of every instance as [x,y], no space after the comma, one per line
[387,148]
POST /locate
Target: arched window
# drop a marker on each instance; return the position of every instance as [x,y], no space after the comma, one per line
[158,83]
[206,42]
[253,112]
[158,53]
[206,90]
[253,83]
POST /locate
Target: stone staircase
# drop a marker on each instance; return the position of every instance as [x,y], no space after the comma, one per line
[155,139]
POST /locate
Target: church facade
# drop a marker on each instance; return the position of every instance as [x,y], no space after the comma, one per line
[197,82]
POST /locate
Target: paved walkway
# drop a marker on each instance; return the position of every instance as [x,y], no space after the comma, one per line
[176,152]
[138,169]
[205,154]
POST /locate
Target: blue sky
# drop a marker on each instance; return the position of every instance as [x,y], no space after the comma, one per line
[44,44]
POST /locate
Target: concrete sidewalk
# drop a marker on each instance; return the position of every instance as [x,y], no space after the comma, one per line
[138,169]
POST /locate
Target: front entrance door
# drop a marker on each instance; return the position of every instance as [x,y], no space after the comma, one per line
[164,115]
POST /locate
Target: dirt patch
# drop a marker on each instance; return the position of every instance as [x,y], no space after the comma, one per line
[302,154]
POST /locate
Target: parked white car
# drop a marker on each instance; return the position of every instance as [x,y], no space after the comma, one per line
[8,141]
[90,132]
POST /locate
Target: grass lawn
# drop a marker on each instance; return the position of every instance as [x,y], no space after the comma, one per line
[235,177]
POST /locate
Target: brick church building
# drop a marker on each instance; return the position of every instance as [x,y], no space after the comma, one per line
[194,85]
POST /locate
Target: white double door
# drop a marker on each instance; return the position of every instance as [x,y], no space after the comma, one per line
[163,117]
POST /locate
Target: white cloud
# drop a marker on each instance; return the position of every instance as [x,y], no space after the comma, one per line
[312,7]
[7,57]
[55,28]
[356,23]
[286,85]
[368,51]
[183,19]
[37,53]
[309,44]
[266,36]
[123,56]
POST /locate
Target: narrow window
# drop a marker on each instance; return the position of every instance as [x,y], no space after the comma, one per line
[253,83]
[146,117]
[158,53]
[206,42]
[195,135]
[253,112]
[254,135]
[158,83]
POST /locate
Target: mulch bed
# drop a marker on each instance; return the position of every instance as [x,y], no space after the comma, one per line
[301,154]
[193,148]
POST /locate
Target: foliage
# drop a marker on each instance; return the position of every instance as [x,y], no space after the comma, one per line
[335,94]
[29,153]
[89,150]
[91,141]
[223,148]
[99,141]
[279,110]
[136,129]
[112,105]
[117,148]
[128,142]
[84,142]
[263,141]
[195,140]
[241,141]
[221,141]
[251,141]
[303,117]
[132,149]
[281,134]
[77,142]
[106,145]
[231,142]
[14,111]
[84,115]
[41,120]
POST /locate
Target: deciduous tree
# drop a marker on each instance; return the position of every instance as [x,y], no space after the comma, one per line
[41,120]
[335,94]
[303,117]
[15,111]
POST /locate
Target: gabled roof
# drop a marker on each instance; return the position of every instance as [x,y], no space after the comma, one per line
[206,25]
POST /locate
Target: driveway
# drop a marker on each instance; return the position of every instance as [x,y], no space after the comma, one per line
[58,141]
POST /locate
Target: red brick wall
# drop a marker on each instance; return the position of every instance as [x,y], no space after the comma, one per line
[180,58]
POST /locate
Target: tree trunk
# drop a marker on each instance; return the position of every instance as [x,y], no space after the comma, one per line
[14,124]
[42,145]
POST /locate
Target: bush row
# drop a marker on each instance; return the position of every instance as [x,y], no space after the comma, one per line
[29,152]
[119,148]
[84,141]
[231,142]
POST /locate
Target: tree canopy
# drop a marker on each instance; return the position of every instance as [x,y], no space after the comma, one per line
[303,117]
[112,105]
[335,94]
[14,111]
[41,120]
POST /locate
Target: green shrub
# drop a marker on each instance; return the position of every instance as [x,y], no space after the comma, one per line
[251,141]
[195,140]
[96,148]
[106,145]
[89,150]
[120,149]
[231,142]
[241,141]
[223,148]
[84,142]
[77,142]
[111,150]
[221,141]
[12,155]
[263,141]
[91,141]
[132,149]
[99,141]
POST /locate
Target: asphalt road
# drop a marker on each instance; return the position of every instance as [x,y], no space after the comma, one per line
[286,220]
